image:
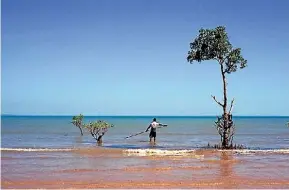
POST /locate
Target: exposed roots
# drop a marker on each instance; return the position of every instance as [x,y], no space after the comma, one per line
[226,129]
[231,147]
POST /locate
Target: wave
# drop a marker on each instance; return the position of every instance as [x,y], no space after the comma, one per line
[148,151]
[250,151]
[197,152]
[158,152]
[37,149]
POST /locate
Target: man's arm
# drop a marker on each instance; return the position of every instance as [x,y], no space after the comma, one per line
[162,125]
[148,128]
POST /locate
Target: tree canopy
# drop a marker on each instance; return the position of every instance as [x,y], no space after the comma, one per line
[77,120]
[98,127]
[214,44]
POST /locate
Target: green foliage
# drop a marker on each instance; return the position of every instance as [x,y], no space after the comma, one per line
[98,127]
[214,44]
[77,120]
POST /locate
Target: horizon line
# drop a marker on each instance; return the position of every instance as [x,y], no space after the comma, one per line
[71,115]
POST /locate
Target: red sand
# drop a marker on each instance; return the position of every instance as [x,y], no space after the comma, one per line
[215,170]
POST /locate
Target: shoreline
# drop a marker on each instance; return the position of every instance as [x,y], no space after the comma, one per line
[151,150]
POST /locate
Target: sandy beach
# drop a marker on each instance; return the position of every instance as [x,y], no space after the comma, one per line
[114,168]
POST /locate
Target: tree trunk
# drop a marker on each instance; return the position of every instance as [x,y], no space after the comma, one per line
[99,139]
[225,142]
[80,131]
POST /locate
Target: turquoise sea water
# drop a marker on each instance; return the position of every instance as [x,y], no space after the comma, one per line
[181,133]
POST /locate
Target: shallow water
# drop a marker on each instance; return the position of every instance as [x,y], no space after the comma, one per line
[182,132]
[47,152]
[99,167]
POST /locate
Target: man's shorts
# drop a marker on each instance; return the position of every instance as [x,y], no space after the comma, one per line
[153,134]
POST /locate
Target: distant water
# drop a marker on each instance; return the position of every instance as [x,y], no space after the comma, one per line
[182,132]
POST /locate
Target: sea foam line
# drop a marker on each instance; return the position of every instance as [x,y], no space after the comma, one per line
[249,151]
[157,152]
[36,149]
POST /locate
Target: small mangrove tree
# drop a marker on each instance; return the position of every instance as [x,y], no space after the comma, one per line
[77,122]
[97,128]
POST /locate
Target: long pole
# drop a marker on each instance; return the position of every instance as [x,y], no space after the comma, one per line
[135,134]
[144,132]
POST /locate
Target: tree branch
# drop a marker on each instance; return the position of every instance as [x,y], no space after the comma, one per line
[231,107]
[227,70]
[214,97]
[93,135]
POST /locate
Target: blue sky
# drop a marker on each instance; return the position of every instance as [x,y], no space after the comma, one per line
[128,57]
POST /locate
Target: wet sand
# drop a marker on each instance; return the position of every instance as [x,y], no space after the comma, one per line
[116,168]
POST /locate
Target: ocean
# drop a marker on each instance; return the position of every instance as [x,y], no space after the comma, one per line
[48,152]
[181,133]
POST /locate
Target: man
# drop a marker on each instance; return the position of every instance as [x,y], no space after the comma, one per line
[153,125]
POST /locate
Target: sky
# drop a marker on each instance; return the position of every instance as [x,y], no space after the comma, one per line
[128,57]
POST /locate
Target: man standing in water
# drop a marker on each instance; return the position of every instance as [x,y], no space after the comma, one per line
[153,125]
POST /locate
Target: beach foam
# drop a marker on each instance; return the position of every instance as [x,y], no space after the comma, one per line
[248,151]
[192,152]
[157,152]
[151,152]
[36,149]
